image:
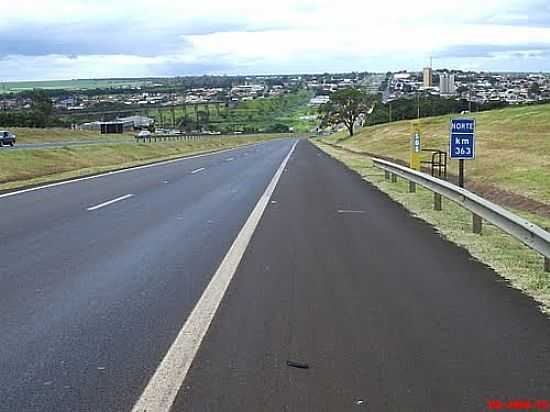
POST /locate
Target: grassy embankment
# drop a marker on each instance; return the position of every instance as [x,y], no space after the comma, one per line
[513,155]
[31,167]
[37,135]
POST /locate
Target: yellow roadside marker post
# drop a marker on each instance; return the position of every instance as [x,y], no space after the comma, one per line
[415,150]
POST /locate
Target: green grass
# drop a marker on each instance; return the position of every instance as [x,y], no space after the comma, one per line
[37,135]
[30,167]
[521,266]
[27,135]
[258,114]
[513,147]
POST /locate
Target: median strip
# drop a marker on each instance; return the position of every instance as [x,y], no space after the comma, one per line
[110,202]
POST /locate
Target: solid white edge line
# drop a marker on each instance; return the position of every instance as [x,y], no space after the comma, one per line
[163,387]
[110,202]
[131,169]
[202,169]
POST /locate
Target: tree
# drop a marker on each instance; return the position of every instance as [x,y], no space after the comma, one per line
[277,128]
[345,106]
[534,89]
[462,89]
[41,102]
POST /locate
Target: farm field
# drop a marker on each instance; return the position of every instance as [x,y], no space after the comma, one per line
[77,84]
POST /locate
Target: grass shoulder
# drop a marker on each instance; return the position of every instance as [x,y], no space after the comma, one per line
[22,168]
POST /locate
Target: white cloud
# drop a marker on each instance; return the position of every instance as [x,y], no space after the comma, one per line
[145,37]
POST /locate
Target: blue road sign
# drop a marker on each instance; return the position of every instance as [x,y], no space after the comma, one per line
[462,142]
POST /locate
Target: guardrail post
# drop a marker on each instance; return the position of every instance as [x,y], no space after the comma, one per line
[477,224]
[412,187]
[525,232]
[546,260]
[437,202]
[386,175]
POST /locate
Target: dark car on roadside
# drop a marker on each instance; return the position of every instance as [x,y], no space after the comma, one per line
[6,138]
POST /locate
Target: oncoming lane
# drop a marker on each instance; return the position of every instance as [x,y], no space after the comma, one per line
[91,309]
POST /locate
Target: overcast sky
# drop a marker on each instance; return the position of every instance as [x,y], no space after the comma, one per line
[64,39]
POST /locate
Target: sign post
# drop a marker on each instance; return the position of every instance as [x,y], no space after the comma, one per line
[462,143]
[415,153]
[415,148]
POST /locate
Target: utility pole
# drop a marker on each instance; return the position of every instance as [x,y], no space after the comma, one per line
[418,104]
[197,114]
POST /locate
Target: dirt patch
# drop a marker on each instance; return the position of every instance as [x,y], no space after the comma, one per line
[492,193]
[509,199]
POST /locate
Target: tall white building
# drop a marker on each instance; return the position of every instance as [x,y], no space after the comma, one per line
[428,77]
[447,84]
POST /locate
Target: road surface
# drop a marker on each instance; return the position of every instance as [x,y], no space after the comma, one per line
[100,276]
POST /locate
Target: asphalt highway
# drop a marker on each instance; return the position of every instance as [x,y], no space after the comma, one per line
[342,300]
[90,300]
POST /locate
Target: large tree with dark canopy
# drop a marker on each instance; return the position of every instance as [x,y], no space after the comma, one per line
[345,106]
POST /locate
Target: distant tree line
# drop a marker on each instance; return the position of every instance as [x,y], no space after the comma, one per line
[407,109]
[40,114]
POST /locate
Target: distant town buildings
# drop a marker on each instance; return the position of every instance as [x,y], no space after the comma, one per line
[138,122]
[477,87]
[319,100]
[447,84]
[120,125]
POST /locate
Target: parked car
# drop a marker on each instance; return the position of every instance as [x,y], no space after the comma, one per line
[6,138]
[143,134]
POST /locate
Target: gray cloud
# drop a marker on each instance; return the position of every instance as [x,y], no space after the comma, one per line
[531,13]
[490,50]
[125,37]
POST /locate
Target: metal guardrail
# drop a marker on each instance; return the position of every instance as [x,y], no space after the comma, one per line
[526,232]
[161,137]
[174,137]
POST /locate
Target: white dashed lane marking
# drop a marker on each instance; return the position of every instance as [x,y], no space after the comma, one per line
[110,202]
